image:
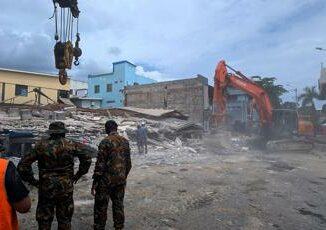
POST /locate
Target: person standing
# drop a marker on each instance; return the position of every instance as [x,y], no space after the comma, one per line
[139,140]
[143,136]
[55,157]
[112,167]
[13,195]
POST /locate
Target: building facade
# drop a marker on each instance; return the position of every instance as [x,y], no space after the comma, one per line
[238,105]
[110,86]
[189,96]
[78,88]
[17,87]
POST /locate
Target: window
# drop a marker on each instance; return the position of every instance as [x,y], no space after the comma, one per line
[116,82]
[110,102]
[96,88]
[109,88]
[21,90]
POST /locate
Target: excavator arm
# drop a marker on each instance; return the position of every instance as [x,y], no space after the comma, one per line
[223,79]
[270,128]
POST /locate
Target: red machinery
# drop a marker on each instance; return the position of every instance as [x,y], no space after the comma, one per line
[276,124]
[223,79]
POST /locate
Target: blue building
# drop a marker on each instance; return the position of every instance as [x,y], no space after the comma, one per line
[110,86]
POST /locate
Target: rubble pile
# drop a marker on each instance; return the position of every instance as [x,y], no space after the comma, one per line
[168,138]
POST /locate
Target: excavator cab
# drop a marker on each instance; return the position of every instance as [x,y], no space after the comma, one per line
[284,123]
[287,123]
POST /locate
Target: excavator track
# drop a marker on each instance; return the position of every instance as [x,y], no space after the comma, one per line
[290,145]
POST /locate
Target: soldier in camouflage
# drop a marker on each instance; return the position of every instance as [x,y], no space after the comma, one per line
[55,157]
[111,170]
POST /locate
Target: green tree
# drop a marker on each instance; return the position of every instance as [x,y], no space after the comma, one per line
[274,91]
[308,96]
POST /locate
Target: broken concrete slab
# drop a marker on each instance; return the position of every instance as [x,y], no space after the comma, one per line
[13,112]
[59,115]
[48,115]
[26,114]
[190,130]
[154,113]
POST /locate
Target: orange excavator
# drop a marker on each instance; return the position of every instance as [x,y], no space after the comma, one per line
[282,129]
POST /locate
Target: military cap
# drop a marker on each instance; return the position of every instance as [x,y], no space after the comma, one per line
[57,128]
[111,124]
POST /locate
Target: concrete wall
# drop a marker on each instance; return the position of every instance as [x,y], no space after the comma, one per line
[124,73]
[189,96]
[49,84]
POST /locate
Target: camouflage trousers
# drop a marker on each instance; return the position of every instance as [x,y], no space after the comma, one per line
[102,197]
[63,207]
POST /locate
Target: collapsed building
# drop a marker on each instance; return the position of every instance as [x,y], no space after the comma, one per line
[189,96]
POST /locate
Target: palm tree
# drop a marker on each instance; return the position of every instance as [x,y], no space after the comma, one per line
[308,96]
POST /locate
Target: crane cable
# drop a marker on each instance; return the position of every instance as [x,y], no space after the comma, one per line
[56,36]
[61,22]
[72,27]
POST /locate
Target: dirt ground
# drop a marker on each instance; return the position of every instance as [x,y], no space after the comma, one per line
[217,188]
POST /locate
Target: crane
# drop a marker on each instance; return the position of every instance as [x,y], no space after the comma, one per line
[64,50]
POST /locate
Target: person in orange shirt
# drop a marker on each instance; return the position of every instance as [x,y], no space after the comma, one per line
[13,194]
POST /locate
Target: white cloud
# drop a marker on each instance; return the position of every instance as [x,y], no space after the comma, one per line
[155,75]
[188,37]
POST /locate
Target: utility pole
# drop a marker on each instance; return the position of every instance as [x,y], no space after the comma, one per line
[296,98]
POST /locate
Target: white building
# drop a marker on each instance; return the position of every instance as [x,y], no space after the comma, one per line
[78,88]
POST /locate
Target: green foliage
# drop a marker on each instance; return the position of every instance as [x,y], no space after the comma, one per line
[274,91]
[308,96]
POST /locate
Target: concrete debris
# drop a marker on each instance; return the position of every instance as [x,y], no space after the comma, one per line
[66,101]
[59,115]
[88,127]
[13,112]
[185,181]
[190,130]
[26,114]
[154,113]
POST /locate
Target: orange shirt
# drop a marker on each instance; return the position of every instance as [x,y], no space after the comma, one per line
[8,216]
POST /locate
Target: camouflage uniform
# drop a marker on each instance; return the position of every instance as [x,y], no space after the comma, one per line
[55,158]
[111,170]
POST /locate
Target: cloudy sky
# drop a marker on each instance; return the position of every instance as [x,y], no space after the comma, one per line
[174,39]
